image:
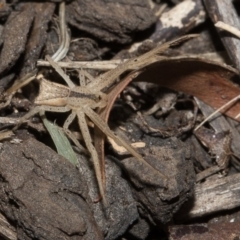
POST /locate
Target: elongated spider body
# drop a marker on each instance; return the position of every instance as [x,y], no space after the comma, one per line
[82,100]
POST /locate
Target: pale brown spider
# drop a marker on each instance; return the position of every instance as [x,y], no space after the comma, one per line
[82,100]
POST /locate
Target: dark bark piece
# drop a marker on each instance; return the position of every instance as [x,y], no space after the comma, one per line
[52,43]
[229,216]
[122,207]
[15,35]
[172,158]
[207,42]
[4,9]
[85,49]
[7,231]
[44,194]
[220,123]
[110,21]
[223,10]
[205,202]
[176,1]
[139,230]
[220,231]
[1,31]
[5,81]
[179,20]
[218,144]
[158,197]
[38,35]
[202,160]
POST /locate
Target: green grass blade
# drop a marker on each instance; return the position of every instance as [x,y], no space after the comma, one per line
[60,140]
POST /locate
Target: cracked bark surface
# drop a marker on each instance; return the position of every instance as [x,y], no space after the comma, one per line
[44,194]
[107,20]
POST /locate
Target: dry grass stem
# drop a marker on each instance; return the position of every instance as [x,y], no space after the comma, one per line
[228,104]
[228,28]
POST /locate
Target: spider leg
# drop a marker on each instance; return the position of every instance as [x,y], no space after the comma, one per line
[83,74]
[106,130]
[89,76]
[82,79]
[60,72]
[66,124]
[88,141]
[38,109]
[103,102]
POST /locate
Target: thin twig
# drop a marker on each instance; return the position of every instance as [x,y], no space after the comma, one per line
[60,71]
[101,65]
[228,28]
[111,64]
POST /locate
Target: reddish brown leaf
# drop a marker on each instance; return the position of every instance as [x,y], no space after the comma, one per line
[206,80]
